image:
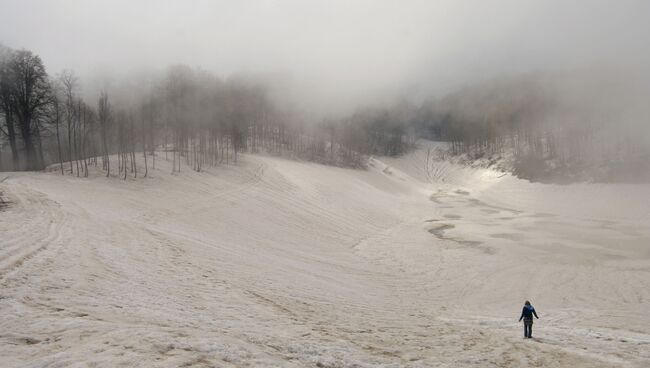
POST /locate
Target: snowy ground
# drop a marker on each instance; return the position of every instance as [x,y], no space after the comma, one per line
[277,263]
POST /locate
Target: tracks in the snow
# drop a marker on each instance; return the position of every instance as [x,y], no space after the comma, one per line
[41,221]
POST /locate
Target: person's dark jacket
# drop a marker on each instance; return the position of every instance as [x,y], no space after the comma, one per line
[528,312]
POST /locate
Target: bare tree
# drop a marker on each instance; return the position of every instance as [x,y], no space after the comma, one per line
[56,111]
[31,95]
[69,82]
[104,117]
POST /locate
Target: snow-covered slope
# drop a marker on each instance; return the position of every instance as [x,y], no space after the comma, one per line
[287,264]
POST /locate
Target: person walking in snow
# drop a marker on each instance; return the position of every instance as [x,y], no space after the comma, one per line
[527,315]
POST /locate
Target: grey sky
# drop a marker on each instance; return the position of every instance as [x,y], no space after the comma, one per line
[347,52]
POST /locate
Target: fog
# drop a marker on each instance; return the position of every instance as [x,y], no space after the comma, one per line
[325,183]
[334,55]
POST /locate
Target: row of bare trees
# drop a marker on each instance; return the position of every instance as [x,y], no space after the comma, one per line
[198,120]
[191,116]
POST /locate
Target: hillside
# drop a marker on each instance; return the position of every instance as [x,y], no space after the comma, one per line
[273,262]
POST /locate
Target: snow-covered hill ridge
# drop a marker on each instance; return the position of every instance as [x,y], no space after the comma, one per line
[281,263]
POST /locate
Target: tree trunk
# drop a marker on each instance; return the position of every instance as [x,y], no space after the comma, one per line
[11,130]
[144,148]
[41,159]
[70,144]
[58,136]
[30,151]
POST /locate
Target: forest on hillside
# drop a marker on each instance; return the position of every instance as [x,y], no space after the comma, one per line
[577,126]
[557,127]
[195,117]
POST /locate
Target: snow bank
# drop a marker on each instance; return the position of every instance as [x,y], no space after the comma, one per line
[274,262]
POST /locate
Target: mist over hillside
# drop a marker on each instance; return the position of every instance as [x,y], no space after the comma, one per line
[327,183]
[578,125]
[555,89]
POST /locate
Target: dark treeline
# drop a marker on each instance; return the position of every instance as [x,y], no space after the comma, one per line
[192,117]
[547,124]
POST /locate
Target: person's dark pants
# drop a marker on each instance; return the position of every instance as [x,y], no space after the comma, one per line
[528,328]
